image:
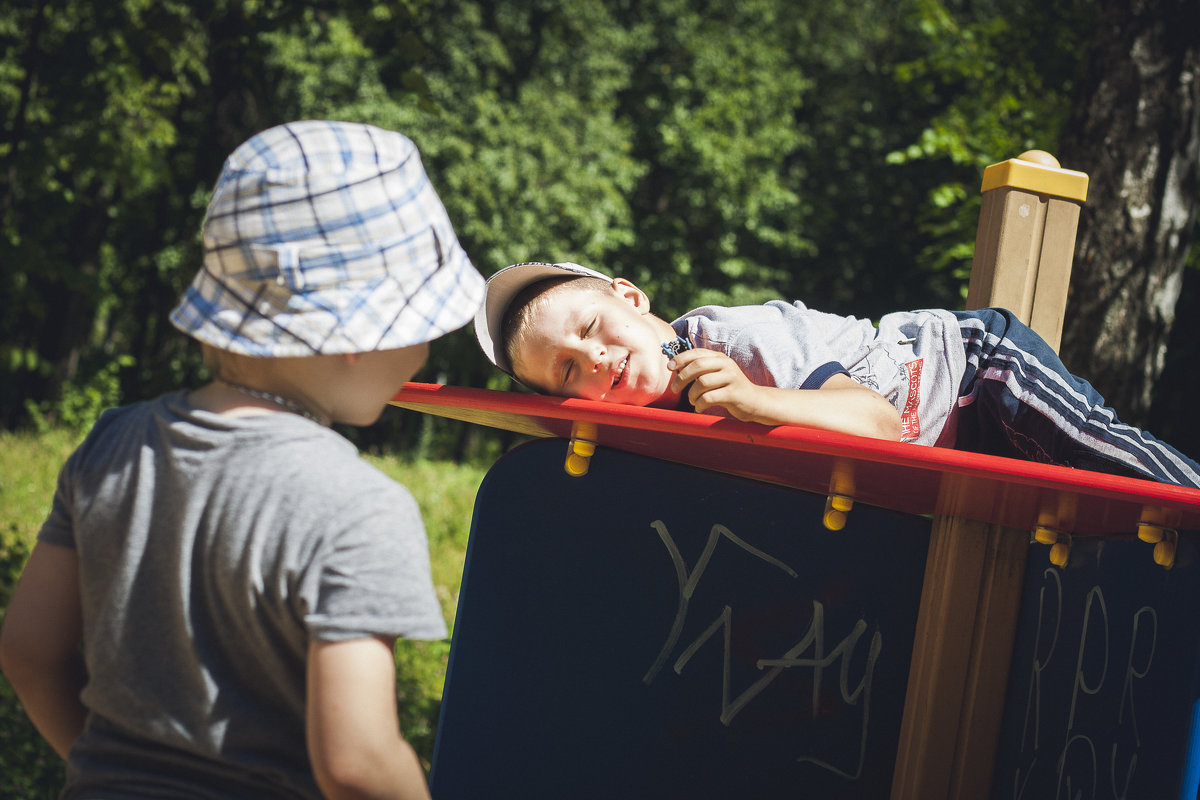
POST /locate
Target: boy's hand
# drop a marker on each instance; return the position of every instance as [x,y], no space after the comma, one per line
[715,380]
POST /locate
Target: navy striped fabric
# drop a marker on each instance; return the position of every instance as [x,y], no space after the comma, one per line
[1017,398]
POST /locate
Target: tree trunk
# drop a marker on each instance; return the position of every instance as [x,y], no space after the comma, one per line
[1135,130]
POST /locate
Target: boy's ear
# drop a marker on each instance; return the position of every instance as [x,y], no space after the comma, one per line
[631,294]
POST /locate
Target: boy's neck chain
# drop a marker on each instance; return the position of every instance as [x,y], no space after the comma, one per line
[279,400]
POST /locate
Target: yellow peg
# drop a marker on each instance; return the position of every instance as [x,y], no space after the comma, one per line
[1149,532]
[1060,544]
[1164,546]
[1164,553]
[841,495]
[834,517]
[1155,522]
[1044,535]
[580,449]
[1059,553]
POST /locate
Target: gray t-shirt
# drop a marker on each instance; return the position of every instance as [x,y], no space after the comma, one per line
[212,550]
[913,358]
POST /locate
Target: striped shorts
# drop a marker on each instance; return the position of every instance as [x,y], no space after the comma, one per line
[1017,399]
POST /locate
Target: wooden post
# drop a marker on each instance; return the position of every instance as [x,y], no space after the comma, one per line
[1026,239]
[974,572]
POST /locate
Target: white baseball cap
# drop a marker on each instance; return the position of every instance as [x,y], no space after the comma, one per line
[499,293]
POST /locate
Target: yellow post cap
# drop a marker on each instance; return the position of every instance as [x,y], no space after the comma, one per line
[1037,171]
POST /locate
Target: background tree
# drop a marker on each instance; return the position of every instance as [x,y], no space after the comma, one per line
[714,151]
[1136,131]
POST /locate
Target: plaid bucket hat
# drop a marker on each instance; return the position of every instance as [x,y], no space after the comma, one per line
[324,238]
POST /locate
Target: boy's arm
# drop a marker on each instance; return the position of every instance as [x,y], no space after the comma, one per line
[840,404]
[354,739]
[39,646]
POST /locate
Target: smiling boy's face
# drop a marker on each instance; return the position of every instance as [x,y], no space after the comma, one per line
[596,345]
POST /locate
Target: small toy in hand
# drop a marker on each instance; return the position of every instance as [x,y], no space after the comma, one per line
[674,348]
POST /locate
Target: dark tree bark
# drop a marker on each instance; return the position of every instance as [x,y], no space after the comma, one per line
[1135,130]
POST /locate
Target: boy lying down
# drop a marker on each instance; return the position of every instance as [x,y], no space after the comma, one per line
[971,380]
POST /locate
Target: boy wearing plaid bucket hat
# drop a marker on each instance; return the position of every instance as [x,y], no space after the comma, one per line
[235,573]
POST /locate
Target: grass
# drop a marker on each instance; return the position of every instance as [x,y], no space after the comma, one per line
[29,465]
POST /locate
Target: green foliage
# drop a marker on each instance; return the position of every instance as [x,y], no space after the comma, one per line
[983,104]
[80,406]
[29,466]
[519,134]
[420,675]
[716,91]
[711,151]
[29,768]
[99,93]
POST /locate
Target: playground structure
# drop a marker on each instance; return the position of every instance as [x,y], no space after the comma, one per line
[987,517]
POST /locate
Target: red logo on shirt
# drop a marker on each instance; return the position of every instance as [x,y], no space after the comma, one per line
[910,423]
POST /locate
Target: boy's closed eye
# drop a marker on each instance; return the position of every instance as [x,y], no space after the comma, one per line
[569,367]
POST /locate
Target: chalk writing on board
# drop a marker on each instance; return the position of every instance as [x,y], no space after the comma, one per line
[1092,753]
[687,582]
[795,657]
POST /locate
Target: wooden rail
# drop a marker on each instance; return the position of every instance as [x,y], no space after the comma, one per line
[974,571]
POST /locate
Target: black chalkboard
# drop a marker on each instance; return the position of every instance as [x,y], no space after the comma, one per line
[654,630]
[1103,687]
